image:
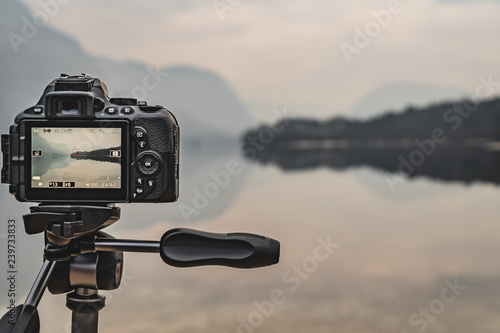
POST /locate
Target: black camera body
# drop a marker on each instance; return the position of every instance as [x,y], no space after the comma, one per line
[78,146]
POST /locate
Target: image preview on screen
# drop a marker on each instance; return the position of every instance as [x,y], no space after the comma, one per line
[76,157]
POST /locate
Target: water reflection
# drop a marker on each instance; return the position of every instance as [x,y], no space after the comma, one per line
[452,164]
[394,257]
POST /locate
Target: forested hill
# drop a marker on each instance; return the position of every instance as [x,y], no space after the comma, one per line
[457,120]
[102,155]
[456,142]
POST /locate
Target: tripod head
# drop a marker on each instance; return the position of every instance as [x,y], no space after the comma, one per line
[80,259]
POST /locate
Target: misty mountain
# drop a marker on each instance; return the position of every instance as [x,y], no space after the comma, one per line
[397,95]
[210,114]
[49,149]
[54,155]
[33,55]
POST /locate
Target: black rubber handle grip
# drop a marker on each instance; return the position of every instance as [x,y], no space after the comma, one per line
[184,247]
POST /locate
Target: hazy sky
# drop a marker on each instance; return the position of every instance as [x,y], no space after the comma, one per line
[287,53]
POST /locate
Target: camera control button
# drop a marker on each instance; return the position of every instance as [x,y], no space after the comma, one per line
[139,181]
[127,110]
[151,183]
[148,164]
[111,110]
[140,134]
[139,190]
[142,144]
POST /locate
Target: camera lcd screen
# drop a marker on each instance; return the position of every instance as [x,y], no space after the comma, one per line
[76,158]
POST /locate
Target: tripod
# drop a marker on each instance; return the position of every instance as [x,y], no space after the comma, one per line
[80,260]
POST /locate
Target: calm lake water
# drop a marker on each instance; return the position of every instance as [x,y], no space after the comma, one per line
[81,172]
[356,256]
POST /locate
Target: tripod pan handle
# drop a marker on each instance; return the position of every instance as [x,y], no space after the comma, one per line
[184,247]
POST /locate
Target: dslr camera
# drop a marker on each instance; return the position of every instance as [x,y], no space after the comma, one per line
[78,146]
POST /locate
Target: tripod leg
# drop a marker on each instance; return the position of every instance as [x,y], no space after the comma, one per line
[24,318]
[85,305]
[84,322]
[40,284]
